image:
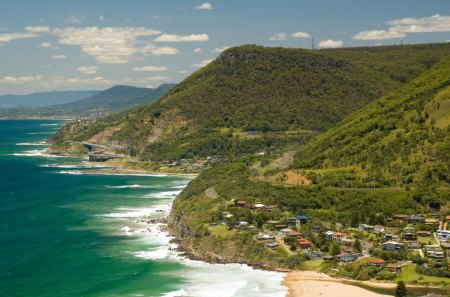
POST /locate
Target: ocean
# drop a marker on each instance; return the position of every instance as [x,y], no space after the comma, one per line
[67,231]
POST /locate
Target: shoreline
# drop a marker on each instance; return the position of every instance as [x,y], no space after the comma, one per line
[298,283]
[315,284]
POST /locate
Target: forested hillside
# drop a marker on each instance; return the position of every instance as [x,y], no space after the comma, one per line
[402,138]
[285,94]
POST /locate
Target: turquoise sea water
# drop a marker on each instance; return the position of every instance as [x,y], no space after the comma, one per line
[66,232]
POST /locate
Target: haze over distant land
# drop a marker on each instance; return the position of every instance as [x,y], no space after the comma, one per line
[147,43]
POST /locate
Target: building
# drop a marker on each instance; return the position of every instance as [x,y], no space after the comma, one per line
[443,235]
[293,222]
[414,219]
[339,236]
[294,234]
[303,219]
[424,233]
[284,231]
[241,203]
[409,229]
[345,258]
[393,268]
[304,243]
[271,245]
[377,262]
[400,217]
[391,246]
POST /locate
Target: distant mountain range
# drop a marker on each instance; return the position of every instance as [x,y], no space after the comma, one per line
[111,100]
[43,98]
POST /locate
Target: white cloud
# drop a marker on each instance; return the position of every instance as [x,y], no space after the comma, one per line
[378,35]
[204,6]
[300,35]
[88,69]
[37,29]
[20,79]
[7,37]
[278,36]
[198,50]
[45,45]
[58,57]
[181,38]
[101,18]
[150,68]
[157,77]
[108,45]
[202,63]
[220,49]
[73,20]
[182,71]
[398,28]
[330,43]
[434,23]
[151,50]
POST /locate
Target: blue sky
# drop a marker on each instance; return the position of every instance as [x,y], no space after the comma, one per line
[94,44]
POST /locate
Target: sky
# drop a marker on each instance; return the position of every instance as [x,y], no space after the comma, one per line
[94,44]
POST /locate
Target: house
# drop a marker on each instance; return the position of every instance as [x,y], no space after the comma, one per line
[390,237]
[271,245]
[393,268]
[284,231]
[303,243]
[329,235]
[424,233]
[364,227]
[409,236]
[241,203]
[303,219]
[338,236]
[391,246]
[294,234]
[264,237]
[272,222]
[259,205]
[434,252]
[243,224]
[378,229]
[400,217]
[280,226]
[317,228]
[409,229]
[345,258]
[414,219]
[438,256]
[377,262]
[447,218]
[293,222]
[443,235]
[445,244]
[270,207]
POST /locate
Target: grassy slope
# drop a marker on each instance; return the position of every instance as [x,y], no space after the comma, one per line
[399,139]
[263,89]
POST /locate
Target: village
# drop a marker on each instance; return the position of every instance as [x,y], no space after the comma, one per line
[402,243]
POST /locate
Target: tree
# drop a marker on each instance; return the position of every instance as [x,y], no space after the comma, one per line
[401,289]
[357,245]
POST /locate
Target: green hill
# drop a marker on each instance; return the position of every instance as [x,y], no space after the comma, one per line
[402,138]
[286,95]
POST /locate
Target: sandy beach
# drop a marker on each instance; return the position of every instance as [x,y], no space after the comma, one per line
[314,284]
